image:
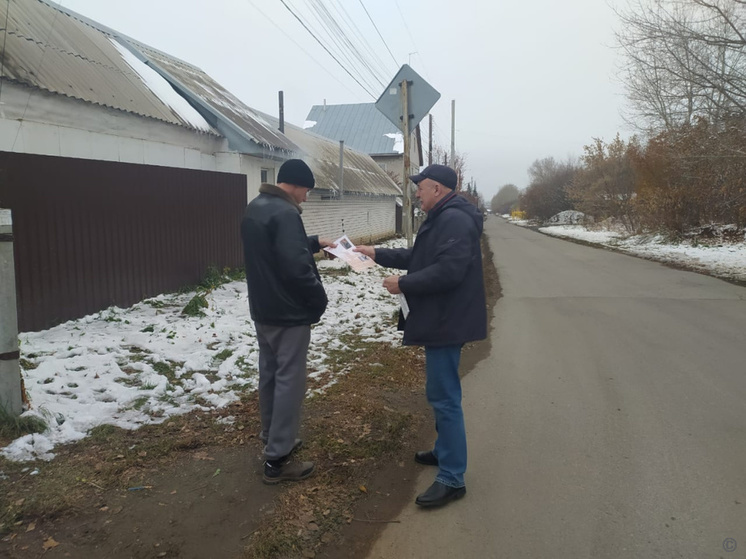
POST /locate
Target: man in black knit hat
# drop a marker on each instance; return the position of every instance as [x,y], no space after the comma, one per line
[285,297]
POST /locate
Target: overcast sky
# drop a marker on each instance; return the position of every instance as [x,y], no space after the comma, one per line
[530,79]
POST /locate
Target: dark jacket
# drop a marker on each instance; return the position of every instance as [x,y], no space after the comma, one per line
[284,284]
[444,286]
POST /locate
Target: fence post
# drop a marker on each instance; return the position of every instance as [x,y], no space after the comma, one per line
[10,373]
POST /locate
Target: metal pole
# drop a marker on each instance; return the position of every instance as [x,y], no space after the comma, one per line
[430,142]
[282,111]
[407,207]
[341,169]
[453,133]
[10,372]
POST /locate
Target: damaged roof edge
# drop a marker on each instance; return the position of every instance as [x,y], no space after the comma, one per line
[238,139]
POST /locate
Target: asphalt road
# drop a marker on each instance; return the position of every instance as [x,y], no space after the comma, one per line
[609,420]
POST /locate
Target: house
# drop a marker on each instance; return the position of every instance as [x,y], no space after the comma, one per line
[361,204]
[364,128]
[127,170]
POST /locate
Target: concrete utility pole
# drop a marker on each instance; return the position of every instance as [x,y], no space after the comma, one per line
[407,206]
[453,133]
[10,372]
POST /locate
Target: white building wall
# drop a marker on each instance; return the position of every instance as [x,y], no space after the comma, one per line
[252,168]
[364,219]
[42,123]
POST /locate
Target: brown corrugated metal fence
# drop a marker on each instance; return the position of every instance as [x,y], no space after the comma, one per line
[92,234]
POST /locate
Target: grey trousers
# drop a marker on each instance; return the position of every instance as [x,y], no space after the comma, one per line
[282,384]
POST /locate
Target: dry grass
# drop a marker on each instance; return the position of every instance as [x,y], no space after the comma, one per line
[360,423]
[354,425]
[110,458]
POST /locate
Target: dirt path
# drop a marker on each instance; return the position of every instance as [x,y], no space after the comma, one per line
[183,512]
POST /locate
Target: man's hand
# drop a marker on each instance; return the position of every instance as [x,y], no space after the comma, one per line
[368,251]
[391,283]
[327,243]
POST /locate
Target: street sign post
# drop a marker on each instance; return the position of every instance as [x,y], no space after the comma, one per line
[405,102]
[422,96]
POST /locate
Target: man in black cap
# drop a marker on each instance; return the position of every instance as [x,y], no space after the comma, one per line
[285,297]
[444,289]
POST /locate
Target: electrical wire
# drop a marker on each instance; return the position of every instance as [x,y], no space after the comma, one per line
[379,33]
[416,48]
[342,43]
[385,70]
[284,3]
[305,51]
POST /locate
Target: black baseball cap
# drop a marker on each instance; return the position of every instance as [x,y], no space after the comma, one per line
[439,173]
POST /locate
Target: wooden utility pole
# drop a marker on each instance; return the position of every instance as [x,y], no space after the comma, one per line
[430,141]
[407,204]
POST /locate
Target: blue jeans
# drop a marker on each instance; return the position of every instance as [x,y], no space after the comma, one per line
[443,391]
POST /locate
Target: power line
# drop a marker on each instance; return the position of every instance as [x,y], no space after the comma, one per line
[284,3]
[360,35]
[305,51]
[343,43]
[404,21]
[337,32]
[379,33]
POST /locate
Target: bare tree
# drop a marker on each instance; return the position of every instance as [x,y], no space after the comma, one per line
[546,194]
[505,198]
[604,187]
[683,59]
[441,156]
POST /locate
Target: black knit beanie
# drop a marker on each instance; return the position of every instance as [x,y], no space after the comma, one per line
[296,172]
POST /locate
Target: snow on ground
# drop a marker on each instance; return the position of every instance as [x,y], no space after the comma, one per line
[130,367]
[725,260]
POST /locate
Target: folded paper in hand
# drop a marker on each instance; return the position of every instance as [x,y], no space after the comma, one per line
[404,305]
[344,250]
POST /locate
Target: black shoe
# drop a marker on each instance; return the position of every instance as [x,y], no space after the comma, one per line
[276,471]
[438,495]
[426,457]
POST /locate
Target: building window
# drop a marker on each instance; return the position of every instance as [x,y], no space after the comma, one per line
[268,176]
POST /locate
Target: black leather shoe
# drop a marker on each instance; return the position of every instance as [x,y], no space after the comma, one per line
[438,495]
[426,457]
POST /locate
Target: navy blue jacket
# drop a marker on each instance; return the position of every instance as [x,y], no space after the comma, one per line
[284,284]
[444,285]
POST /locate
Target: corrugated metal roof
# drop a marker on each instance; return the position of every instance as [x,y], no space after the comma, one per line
[360,125]
[47,49]
[362,174]
[51,48]
[219,99]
